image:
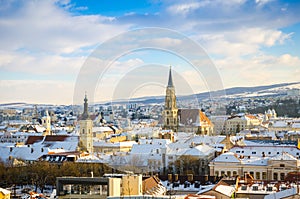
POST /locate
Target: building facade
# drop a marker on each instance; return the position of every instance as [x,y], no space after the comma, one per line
[260,168]
[238,123]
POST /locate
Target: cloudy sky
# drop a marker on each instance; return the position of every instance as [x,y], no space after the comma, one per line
[44,46]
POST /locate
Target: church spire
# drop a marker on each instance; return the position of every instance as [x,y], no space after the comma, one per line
[170,112]
[170,82]
[85,114]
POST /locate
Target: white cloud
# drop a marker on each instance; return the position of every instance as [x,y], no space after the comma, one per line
[184,9]
[34,91]
[43,26]
[259,70]
[242,42]
[45,38]
[40,65]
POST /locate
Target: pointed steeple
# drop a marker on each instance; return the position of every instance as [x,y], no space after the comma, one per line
[85,114]
[170,82]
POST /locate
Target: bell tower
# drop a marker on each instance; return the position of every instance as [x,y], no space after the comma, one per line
[86,127]
[171,110]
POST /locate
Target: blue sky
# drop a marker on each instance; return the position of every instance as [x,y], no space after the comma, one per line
[44,45]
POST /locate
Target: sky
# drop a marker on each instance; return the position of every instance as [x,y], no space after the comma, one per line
[124,49]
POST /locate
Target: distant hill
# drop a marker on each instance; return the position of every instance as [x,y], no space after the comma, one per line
[235,92]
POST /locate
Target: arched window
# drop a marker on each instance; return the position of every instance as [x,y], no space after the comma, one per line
[222,173]
[217,173]
[234,173]
[167,121]
[228,173]
[82,131]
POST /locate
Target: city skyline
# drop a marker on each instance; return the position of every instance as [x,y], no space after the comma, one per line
[45,44]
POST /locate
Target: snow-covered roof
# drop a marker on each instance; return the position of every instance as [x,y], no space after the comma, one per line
[226,190]
[284,156]
[110,144]
[296,125]
[200,150]
[154,141]
[279,124]
[36,150]
[4,191]
[262,161]
[145,149]
[269,150]
[199,139]
[227,157]
[282,194]
[90,159]
[102,129]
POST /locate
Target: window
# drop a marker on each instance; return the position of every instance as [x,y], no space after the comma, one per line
[269,152]
[237,151]
[217,173]
[252,173]
[82,131]
[264,175]
[222,173]
[282,176]
[257,176]
[275,176]
[277,152]
[281,165]
[253,152]
[234,173]
[228,173]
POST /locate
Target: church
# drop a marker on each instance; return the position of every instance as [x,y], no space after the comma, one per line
[183,120]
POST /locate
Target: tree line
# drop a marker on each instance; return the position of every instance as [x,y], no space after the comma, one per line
[42,173]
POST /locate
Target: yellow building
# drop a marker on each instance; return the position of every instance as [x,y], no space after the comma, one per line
[132,185]
[128,185]
[4,194]
[238,123]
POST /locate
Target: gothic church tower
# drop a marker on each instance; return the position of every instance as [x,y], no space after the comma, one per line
[86,126]
[171,110]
